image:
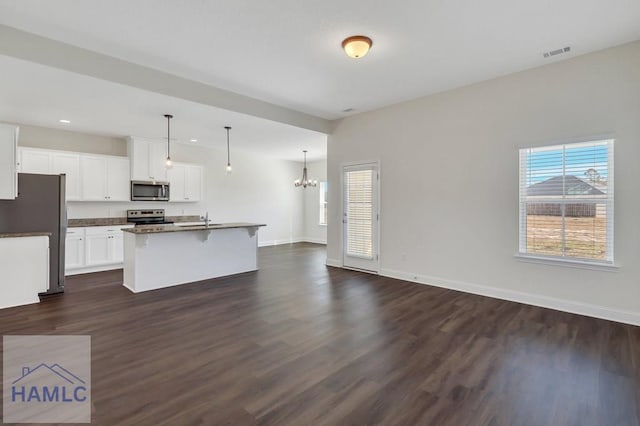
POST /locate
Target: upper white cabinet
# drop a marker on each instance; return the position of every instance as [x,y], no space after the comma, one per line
[69,165]
[8,162]
[105,178]
[42,161]
[147,159]
[185,182]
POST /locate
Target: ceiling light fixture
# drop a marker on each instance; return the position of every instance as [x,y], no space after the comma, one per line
[356,46]
[305,181]
[65,121]
[168,163]
[228,152]
[194,140]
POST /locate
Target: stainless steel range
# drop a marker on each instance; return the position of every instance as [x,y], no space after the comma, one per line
[147,217]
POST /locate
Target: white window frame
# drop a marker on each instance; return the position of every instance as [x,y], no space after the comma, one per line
[597,264]
[323,203]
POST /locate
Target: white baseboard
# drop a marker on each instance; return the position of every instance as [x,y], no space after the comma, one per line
[279,242]
[91,269]
[334,262]
[290,241]
[314,240]
[601,312]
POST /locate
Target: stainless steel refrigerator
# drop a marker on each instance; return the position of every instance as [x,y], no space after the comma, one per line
[40,207]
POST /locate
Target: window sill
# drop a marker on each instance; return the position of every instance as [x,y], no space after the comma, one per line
[569,263]
[322,224]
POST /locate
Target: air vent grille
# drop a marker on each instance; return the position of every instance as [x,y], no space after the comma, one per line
[557,52]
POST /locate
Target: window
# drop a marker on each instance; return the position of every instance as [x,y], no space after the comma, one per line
[566,201]
[323,203]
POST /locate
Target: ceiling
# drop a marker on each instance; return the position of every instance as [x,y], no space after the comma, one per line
[39,95]
[287,53]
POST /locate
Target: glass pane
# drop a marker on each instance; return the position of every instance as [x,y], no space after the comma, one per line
[544,229]
[586,231]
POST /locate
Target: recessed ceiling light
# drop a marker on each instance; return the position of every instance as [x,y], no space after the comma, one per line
[194,140]
[65,121]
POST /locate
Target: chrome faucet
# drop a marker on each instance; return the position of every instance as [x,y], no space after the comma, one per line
[206,220]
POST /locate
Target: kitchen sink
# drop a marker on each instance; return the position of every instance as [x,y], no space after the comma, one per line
[198,226]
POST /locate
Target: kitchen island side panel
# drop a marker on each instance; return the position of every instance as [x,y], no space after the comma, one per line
[159,260]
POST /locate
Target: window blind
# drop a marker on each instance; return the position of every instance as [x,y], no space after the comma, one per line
[359,212]
[323,203]
[566,201]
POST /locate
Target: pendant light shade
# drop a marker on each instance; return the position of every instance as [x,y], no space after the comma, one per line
[305,181]
[228,152]
[168,163]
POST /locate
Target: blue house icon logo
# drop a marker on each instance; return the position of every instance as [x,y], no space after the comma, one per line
[48,383]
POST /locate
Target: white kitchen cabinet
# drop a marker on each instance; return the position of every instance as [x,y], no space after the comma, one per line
[118,180]
[193,187]
[104,245]
[24,262]
[69,165]
[42,161]
[105,178]
[8,162]
[147,159]
[186,182]
[37,161]
[94,248]
[74,248]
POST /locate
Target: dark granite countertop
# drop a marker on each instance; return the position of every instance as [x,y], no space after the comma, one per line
[116,221]
[25,234]
[152,229]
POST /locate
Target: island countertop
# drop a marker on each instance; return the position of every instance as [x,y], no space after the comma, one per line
[152,229]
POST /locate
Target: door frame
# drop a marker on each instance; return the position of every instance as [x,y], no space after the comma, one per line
[376,241]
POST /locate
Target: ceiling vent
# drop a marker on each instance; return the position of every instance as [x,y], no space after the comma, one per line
[557,52]
[348,110]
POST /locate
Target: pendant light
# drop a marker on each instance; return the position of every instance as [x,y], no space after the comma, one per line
[228,152]
[168,163]
[305,181]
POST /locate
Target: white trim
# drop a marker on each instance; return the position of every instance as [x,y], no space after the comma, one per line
[314,240]
[567,262]
[280,242]
[334,262]
[586,309]
[92,269]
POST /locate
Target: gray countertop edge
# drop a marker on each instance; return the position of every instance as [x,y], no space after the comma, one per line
[175,228]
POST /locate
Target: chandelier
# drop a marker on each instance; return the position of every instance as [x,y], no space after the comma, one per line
[305,181]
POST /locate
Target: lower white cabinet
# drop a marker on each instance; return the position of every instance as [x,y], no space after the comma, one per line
[74,248]
[96,248]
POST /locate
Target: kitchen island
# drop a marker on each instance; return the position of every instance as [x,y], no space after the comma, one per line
[165,256]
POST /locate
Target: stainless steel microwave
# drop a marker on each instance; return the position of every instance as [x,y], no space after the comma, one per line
[149,191]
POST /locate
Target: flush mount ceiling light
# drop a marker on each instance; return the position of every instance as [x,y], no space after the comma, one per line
[356,46]
[228,152]
[305,181]
[168,163]
[65,121]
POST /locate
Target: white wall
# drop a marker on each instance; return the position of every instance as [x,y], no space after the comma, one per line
[449,180]
[259,189]
[313,231]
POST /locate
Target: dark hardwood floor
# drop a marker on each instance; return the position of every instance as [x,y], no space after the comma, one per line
[301,343]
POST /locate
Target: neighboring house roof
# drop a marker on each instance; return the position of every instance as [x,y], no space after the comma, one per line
[553,187]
